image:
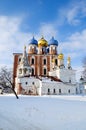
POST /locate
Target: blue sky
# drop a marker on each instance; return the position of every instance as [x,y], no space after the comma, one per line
[63,19]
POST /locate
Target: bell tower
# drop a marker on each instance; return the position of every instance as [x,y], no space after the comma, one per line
[24,68]
[69,63]
[61,60]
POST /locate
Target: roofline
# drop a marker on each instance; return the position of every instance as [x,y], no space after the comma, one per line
[17,53]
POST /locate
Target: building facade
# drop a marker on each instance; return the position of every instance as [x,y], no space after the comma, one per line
[41,70]
[40,57]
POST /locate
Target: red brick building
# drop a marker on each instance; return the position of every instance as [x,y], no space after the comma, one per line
[42,57]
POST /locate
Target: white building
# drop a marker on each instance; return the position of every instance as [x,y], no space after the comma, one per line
[82,86]
[61,79]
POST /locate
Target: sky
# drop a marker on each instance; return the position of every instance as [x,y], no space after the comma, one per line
[20,20]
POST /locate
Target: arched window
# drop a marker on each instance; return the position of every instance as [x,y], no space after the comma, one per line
[44,61]
[20,71]
[56,61]
[54,91]
[44,71]
[70,80]
[26,83]
[32,71]
[47,50]
[69,91]
[32,60]
[59,91]
[19,59]
[48,91]
[25,70]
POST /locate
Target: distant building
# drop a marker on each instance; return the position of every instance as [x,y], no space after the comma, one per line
[41,70]
[82,85]
[1,90]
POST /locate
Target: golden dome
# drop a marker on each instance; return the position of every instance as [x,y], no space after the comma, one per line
[42,42]
[61,56]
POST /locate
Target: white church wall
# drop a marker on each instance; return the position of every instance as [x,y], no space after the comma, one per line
[66,75]
[57,88]
[29,84]
[53,73]
[46,86]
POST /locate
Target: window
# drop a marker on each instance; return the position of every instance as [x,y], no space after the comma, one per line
[20,71]
[44,71]
[77,91]
[33,83]
[69,91]
[26,83]
[19,59]
[47,50]
[44,61]
[32,71]
[25,70]
[48,91]
[59,91]
[54,91]
[80,92]
[69,80]
[56,61]
[32,61]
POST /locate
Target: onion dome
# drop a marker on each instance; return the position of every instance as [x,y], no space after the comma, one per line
[42,42]
[33,41]
[61,56]
[53,42]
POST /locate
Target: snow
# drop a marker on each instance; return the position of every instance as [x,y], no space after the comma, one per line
[42,113]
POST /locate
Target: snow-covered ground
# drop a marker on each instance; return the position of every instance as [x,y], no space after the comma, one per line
[42,113]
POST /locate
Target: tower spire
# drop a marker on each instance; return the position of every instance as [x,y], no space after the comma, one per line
[69,63]
[61,60]
[24,68]
[25,58]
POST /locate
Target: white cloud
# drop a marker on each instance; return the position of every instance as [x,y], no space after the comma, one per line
[11,38]
[73,12]
[71,16]
[76,42]
[48,30]
[75,47]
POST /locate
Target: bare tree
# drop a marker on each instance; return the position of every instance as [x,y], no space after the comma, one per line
[6,80]
[84,68]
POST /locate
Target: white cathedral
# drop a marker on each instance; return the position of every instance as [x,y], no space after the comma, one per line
[58,80]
